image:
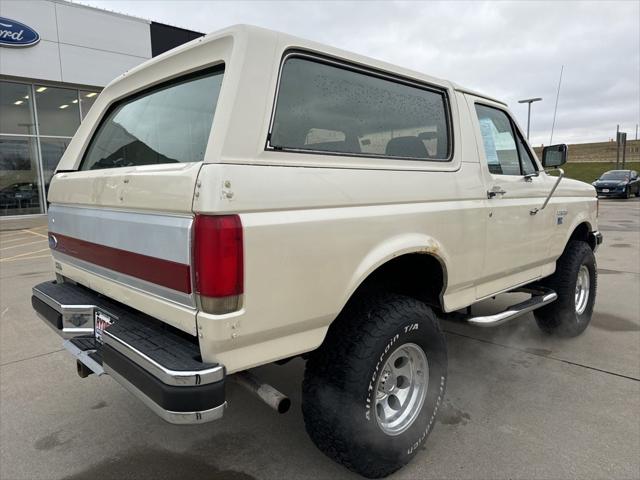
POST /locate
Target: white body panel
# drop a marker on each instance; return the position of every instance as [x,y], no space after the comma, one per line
[315,226]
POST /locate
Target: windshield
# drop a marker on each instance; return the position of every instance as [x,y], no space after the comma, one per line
[615,175]
[168,124]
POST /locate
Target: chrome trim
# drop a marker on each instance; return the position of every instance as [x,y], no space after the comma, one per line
[398,405]
[83,357]
[546,201]
[142,286]
[126,230]
[165,375]
[583,284]
[539,298]
[179,418]
[70,328]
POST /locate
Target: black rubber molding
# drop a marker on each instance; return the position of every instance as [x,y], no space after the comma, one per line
[169,397]
[51,315]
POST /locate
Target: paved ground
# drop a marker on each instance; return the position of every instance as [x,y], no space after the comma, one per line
[519,405]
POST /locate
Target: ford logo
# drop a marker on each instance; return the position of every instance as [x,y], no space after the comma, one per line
[16,34]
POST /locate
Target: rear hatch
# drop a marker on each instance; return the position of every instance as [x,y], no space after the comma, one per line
[120,220]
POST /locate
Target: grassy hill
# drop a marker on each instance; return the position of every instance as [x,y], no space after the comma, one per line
[588,172]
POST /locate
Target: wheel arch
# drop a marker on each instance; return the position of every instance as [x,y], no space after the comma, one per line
[581,231]
[413,265]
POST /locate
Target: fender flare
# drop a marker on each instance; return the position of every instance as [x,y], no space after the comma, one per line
[392,248]
[580,219]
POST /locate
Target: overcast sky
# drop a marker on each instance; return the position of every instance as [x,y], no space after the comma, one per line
[510,50]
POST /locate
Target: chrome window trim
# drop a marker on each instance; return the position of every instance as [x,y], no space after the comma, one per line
[444,91]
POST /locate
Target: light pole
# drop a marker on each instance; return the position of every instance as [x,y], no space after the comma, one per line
[529,101]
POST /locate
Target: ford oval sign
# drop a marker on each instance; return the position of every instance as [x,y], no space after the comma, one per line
[16,34]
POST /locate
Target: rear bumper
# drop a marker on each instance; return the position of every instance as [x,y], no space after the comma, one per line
[156,363]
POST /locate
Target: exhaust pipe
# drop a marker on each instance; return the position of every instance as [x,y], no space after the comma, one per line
[265,392]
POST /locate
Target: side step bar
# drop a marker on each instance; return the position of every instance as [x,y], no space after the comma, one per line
[540,297]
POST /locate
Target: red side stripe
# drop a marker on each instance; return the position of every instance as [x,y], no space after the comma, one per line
[167,273]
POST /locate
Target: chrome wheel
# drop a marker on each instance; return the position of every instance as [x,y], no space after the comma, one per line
[582,289]
[401,389]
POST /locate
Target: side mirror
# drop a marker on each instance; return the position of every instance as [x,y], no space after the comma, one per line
[554,155]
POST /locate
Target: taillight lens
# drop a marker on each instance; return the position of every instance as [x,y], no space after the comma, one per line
[219,263]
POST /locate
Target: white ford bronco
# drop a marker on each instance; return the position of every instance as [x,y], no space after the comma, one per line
[251,197]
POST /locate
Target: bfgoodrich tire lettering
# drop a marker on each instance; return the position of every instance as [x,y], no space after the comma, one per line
[339,389]
[569,316]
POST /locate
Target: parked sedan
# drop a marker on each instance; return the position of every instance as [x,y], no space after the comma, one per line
[618,183]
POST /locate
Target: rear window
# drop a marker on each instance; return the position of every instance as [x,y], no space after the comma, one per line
[333,108]
[166,124]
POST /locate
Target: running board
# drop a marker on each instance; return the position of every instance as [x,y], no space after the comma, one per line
[539,298]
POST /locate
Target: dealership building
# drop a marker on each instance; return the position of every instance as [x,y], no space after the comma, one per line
[55,57]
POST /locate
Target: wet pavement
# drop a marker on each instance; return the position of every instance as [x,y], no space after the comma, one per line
[519,404]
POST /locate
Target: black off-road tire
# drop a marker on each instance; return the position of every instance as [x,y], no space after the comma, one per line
[339,388]
[627,193]
[560,317]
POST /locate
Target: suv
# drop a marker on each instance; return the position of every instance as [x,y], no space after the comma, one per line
[251,197]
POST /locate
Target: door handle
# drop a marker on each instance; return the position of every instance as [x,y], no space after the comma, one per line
[495,191]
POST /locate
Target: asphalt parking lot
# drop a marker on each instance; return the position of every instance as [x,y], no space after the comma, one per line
[519,405]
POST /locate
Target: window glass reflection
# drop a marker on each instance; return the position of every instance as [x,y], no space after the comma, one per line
[52,150]
[325,108]
[16,114]
[58,110]
[19,192]
[87,99]
[169,124]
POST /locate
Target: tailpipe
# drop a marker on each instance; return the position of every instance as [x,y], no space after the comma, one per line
[265,392]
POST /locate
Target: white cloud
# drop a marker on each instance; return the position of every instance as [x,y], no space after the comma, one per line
[510,50]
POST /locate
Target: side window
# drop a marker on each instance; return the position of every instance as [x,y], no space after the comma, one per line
[505,151]
[528,164]
[330,108]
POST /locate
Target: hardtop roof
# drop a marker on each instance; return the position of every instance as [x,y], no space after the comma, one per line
[253,33]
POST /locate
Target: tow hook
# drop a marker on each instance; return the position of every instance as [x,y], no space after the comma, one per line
[82,369]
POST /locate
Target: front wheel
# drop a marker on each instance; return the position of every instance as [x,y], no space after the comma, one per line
[372,390]
[575,282]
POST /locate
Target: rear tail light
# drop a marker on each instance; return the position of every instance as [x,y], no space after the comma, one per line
[218,262]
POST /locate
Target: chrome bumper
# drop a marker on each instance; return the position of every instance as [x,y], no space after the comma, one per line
[158,365]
